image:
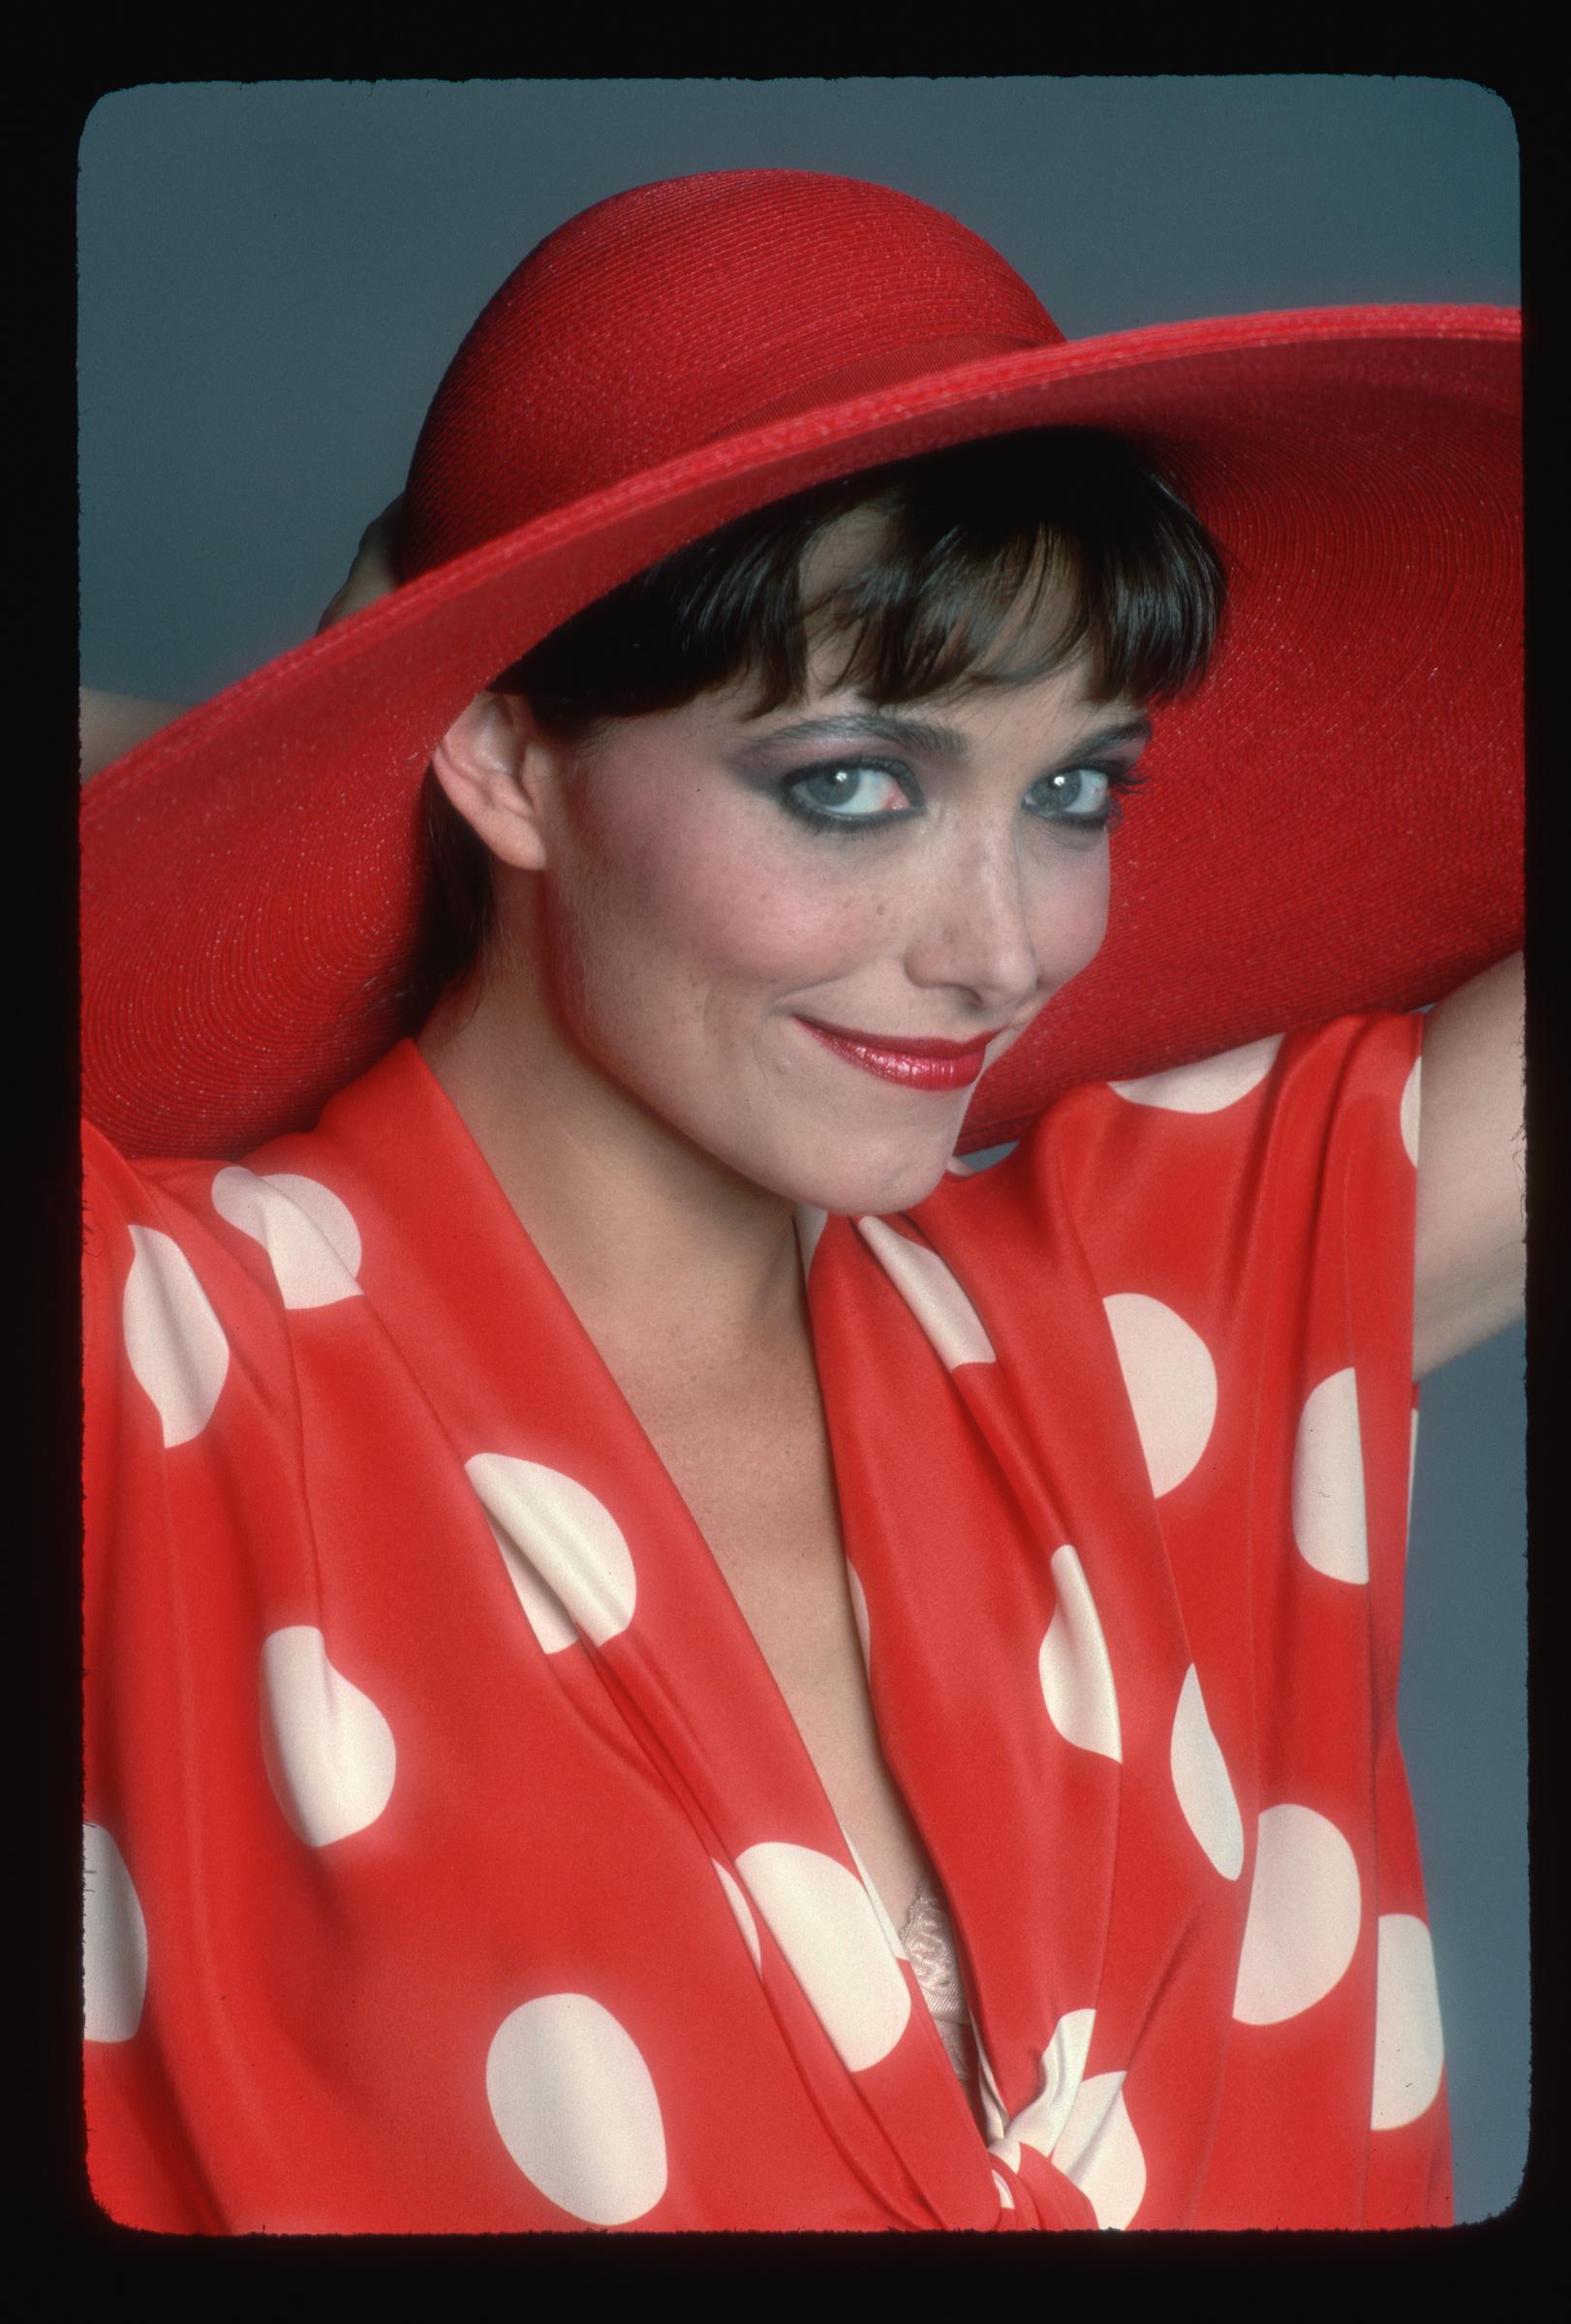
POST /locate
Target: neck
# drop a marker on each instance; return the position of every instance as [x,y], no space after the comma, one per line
[668,1258]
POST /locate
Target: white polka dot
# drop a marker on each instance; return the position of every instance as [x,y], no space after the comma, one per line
[880,1909]
[931,1293]
[174,1342]
[329,1752]
[810,1225]
[307,1232]
[1042,2124]
[744,1914]
[1082,2128]
[995,2114]
[1073,1667]
[1305,1910]
[113,1941]
[1328,1482]
[957,1168]
[853,1581]
[566,1554]
[1171,1383]
[576,2109]
[547,1616]
[1101,2154]
[1201,1780]
[1207,1086]
[826,1925]
[1007,2201]
[1409,2052]
[1409,1116]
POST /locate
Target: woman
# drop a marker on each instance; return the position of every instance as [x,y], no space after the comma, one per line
[664,1656]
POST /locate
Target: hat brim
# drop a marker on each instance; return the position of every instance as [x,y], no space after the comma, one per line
[1334,820]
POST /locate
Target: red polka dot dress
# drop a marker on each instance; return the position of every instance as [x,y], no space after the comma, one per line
[453,1862]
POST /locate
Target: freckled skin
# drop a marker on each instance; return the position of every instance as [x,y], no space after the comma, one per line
[690,921]
[632,1061]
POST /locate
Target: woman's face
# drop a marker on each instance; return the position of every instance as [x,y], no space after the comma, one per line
[718,886]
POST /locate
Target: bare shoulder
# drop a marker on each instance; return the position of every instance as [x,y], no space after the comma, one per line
[1469,1254]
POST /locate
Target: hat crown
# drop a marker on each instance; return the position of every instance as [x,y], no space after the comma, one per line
[690,309]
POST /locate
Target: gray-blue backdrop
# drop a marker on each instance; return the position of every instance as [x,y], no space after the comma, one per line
[272,278]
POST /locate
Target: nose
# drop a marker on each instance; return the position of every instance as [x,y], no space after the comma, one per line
[979,924]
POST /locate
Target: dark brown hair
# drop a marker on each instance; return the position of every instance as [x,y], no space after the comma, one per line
[974,532]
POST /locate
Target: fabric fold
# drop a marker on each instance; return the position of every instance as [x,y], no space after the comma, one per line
[460,1855]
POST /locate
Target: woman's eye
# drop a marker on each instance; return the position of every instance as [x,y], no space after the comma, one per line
[1079,795]
[849,790]
[859,794]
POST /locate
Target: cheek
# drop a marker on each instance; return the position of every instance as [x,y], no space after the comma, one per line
[1072,920]
[694,918]
[1096,909]
[742,913]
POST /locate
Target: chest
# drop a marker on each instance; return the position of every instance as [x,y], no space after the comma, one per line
[760,1484]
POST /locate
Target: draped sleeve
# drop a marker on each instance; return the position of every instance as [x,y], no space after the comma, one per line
[1232,1243]
[453,1863]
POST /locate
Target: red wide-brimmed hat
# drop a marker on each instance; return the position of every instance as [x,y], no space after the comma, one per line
[1335,817]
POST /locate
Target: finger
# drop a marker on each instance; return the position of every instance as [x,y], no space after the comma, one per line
[374,571]
[384,529]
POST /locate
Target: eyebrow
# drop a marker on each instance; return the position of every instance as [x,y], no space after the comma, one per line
[926,735]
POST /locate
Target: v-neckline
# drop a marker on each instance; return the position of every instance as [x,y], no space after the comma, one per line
[809,1226]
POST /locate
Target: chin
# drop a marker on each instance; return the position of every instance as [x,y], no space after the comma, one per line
[860,1186]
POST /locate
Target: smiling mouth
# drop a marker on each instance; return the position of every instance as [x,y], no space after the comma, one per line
[931,1064]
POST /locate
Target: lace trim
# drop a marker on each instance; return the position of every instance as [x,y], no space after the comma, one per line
[928,1938]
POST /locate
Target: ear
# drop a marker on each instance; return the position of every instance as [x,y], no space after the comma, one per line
[500,773]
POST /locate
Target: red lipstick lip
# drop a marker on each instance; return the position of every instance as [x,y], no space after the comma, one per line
[891,1046]
[935,1065]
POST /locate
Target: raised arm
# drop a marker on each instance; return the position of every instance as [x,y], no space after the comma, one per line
[1469,1259]
[111,725]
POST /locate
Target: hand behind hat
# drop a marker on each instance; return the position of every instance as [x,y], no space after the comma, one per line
[372,575]
[108,725]
[111,725]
